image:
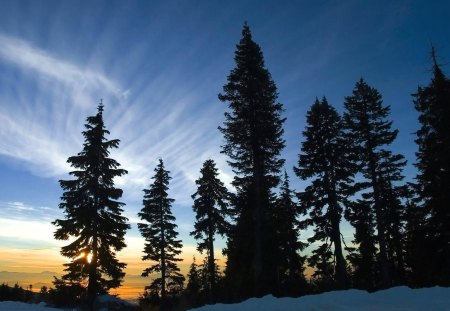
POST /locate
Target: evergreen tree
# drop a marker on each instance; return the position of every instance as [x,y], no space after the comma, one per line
[290,266]
[363,257]
[433,164]
[93,214]
[205,277]
[370,133]
[194,285]
[162,245]
[211,208]
[416,256]
[326,158]
[393,197]
[199,282]
[253,134]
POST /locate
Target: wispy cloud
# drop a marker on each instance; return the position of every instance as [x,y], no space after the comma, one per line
[41,116]
[28,57]
[43,129]
[23,211]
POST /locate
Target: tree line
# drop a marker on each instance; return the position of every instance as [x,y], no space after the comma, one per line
[401,229]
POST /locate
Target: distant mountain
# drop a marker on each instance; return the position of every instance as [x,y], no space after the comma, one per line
[25,279]
[132,287]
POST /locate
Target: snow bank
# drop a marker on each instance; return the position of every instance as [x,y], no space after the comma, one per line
[109,302]
[105,302]
[394,299]
[22,306]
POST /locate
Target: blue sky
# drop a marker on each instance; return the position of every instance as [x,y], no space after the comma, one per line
[159,65]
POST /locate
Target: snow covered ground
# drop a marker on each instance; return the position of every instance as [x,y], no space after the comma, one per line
[394,299]
[22,306]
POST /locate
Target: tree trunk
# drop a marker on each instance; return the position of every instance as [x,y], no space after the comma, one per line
[163,258]
[257,207]
[92,290]
[92,285]
[211,265]
[340,270]
[257,235]
[341,265]
[385,275]
[257,212]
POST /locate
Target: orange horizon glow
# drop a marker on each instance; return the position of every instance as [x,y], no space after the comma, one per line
[29,271]
[37,266]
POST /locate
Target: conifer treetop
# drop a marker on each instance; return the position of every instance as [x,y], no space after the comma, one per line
[92,213]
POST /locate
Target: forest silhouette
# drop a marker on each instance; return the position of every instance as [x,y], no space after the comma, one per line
[401,229]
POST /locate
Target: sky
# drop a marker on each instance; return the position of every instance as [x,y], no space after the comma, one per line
[158,67]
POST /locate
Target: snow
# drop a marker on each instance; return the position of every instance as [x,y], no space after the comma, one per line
[109,299]
[394,299]
[22,306]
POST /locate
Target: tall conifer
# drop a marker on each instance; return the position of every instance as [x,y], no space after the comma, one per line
[162,246]
[433,163]
[325,160]
[211,207]
[370,134]
[93,214]
[253,142]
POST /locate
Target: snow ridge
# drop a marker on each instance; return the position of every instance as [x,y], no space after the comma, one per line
[394,299]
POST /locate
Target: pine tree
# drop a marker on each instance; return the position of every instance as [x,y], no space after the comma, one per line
[93,214]
[290,266]
[370,133]
[194,285]
[253,134]
[162,245]
[205,277]
[394,198]
[416,256]
[363,257]
[326,158]
[211,206]
[433,164]
[198,287]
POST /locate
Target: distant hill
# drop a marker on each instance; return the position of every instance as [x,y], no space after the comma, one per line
[131,289]
[25,279]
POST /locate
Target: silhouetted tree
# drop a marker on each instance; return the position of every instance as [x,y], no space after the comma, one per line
[211,207]
[162,245]
[93,214]
[363,256]
[370,133]
[290,264]
[67,294]
[253,134]
[433,164]
[206,279]
[325,157]
[15,293]
[416,256]
[394,199]
[194,286]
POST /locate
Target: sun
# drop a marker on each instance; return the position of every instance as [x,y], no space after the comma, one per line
[83,255]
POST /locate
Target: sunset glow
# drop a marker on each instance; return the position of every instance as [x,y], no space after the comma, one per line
[89,257]
[158,66]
